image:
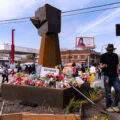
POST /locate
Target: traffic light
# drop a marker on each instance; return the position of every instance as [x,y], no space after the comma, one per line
[117,29]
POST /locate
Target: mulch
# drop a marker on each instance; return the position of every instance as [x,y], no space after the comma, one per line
[18,107]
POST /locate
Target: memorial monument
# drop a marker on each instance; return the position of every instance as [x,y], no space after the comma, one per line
[48,22]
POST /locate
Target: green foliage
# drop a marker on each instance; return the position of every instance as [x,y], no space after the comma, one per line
[74,105]
[26,109]
[92,95]
[99,87]
[100,117]
[49,109]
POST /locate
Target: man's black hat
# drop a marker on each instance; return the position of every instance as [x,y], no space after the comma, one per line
[110,47]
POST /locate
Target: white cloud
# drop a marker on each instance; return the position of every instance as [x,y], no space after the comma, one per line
[16,8]
[10,9]
[101,25]
[68,4]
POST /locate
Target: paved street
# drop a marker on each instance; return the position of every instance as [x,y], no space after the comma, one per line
[98,82]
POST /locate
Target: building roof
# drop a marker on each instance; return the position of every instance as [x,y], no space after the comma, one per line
[6,48]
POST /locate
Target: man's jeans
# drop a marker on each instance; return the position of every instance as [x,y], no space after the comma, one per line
[108,83]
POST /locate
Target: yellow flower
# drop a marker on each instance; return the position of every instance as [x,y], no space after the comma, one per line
[79,85]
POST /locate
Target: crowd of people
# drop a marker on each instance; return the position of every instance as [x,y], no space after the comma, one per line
[28,69]
[92,70]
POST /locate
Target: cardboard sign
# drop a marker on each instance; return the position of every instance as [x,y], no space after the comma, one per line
[46,70]
[38,70]
[12,66]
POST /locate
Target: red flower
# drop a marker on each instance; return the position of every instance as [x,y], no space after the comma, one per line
[40,84]
[27,82]
[60,77]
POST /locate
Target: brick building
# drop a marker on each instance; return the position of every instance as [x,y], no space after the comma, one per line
[80,56]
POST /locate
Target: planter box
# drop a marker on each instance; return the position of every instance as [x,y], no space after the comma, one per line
[28,116]
[58,98]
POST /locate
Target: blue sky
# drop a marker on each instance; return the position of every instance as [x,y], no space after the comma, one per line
[100,25]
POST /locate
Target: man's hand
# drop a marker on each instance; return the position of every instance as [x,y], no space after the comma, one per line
[103,65]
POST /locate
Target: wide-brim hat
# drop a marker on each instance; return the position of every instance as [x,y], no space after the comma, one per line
[110,47]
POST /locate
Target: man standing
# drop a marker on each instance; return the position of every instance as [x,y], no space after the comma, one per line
[5,74]
[109,64]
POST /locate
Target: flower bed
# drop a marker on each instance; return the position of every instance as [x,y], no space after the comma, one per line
[55,91]
[46,81]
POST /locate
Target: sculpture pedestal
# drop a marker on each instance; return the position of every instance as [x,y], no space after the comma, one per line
[49,55]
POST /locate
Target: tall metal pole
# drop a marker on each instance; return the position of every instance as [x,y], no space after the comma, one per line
[12,50]
[12,47]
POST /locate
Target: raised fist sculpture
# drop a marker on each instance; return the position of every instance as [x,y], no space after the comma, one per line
[48,22]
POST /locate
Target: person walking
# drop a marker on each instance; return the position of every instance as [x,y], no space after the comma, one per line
[74,69]
[93,70]
[30,69]
[109,64]
[82,68]
[18,68]
[99,71]
[33,69]
[5,74]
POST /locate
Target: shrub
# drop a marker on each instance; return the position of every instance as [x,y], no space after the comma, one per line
[72,107]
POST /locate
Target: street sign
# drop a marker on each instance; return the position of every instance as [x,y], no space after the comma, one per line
[117,29]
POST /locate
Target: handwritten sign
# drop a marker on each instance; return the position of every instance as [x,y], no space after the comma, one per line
[46,70]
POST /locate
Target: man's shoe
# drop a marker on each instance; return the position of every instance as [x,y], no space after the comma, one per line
[109,109]
[116,109]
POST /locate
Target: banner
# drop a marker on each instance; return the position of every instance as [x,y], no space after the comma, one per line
[85,42]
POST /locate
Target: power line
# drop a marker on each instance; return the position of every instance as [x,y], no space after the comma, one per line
[90,11]
[16,20]
[13,22]
[92,7]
